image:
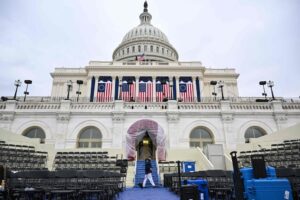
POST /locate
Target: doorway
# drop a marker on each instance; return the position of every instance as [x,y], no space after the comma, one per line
[146,148]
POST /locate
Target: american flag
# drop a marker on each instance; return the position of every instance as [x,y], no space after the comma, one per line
[104,91]
[145,91]
[140,57]
[162,90]
[186,91]
[128,91]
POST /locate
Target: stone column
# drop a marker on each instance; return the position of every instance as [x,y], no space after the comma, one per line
[136,87]
[120,89]
[194,88]
[173,118]
[113,88]
[62,122]
[227,119]
[88,87]
[154,88]
[280,116]
[96,87]
[177,86]
[118,125]
[7,116]
[171,88]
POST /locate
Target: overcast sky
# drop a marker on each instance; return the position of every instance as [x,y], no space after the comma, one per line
[259,38]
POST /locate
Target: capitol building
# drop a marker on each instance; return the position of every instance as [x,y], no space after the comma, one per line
[146,102]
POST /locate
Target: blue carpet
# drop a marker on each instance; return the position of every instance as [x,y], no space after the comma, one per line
[147,194]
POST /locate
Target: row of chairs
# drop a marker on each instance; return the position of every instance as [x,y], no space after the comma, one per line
[22,157]
[85,160]
[64,184]
[286,154]
[220,182]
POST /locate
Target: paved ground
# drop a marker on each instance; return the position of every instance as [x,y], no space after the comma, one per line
[147,194]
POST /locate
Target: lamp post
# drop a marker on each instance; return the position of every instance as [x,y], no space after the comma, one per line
[79,82]
[27,82]
[221,85]
[214,83]
[18,83]
[263,83]
[271,85]
[69,84]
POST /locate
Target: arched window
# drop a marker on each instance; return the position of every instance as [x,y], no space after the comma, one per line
[157,49]
[35,132]
[200,137]
[90,137]
[133,49]
[139,48]
[151,48]
[127,50]
[254,132]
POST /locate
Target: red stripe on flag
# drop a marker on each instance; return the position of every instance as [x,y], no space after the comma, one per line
[188,96]
[166,92]
[106,95]
[130,93]
[147,95]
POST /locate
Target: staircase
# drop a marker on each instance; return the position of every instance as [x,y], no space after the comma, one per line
[140,173]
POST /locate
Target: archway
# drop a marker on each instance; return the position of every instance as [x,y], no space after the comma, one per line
[145,147]
[138,131]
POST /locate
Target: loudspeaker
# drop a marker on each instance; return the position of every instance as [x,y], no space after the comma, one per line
[259,166]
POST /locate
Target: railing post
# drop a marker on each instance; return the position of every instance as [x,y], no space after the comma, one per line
[11,105]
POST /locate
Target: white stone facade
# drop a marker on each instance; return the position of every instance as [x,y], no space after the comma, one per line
[227,121]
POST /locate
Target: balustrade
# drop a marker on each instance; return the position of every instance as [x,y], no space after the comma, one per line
[37,106]
[145,106]
[92,106]
[84,106]
[199,106]
[250,106]
[291,106]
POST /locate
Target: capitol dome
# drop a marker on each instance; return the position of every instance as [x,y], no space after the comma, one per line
[145,42]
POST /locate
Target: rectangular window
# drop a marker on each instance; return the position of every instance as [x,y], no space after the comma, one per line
[83,145]
[96,145]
